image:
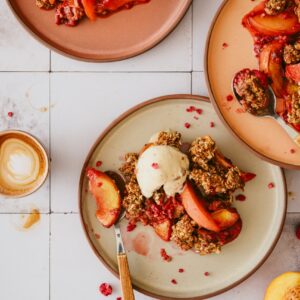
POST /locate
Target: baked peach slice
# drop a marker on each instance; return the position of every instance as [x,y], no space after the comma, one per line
[270,62]
[258,22]
[196,208]
[107,196]
[225,218]
[293,72]
[164,230]
[285,286]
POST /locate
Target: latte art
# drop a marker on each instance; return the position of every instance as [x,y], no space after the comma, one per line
[23,164]
[19,164]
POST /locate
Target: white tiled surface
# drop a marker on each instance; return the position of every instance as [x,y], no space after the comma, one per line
[52,260]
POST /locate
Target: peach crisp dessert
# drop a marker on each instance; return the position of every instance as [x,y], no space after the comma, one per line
[275,28]
[186,197]
[71,12]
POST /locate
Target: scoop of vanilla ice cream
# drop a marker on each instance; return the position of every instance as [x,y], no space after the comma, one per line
[161,165]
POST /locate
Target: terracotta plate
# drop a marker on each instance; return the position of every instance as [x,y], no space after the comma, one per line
[122,35]
[263,135]
[263,212]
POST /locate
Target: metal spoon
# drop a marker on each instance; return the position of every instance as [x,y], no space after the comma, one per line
[270,112]
[125,278]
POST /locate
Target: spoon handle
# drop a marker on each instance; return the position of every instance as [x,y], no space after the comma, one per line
[125,277]
[294,135]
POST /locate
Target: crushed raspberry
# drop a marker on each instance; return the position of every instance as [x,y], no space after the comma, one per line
[155,166]
[10,114]
[99,184]
[99,163]
[187,125]
[271,185]
[131,227]
[180,270]
[174,281]
[229,97]
[105,289]
[206,274]
[292,151]
[240,197]
[164,255]
[298,232]
[191,109]
[212,124]
[199,111]
[97,236]
[224,45]
[196,118]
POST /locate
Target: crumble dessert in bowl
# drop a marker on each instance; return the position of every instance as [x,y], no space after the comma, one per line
[186,197]
[159,268]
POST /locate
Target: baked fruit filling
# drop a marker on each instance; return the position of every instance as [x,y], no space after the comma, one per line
[274,26]
[70,12]
[186,197]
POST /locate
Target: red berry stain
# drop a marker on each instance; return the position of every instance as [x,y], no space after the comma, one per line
[199,111]
[99,184]
[187,125]
[212,124]
[206,274]
[164,255]
[174,281]
[105,289]
[224,45]
[292,151]
[229,97]
[196,118]
[155,166]
[298,232]
[131,227]
[97,236]
[99,163]
[271,185]
[180,270]
[10,114]
[240,197]
[247,176]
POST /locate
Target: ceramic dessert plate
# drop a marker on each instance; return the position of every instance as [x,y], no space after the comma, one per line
[262,213]
[122,35]
[229,50]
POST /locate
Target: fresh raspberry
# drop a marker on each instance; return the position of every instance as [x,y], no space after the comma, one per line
[131,227]
[240,197]
[187,125]
[199,111]
[174,281]
[155,166]
[180,270]
[206,274]
[10,114]
[105,289]
[271,185]
[164,255]
[212,124]
[99,163]
[229,97]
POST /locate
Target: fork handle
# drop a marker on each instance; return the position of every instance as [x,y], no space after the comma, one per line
[125,277]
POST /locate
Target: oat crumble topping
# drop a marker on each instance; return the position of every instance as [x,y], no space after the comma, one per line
[294,113]
[202,151]
[291,53]
[275,7]
[169,138]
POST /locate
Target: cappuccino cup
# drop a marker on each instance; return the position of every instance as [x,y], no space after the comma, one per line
[24,164]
